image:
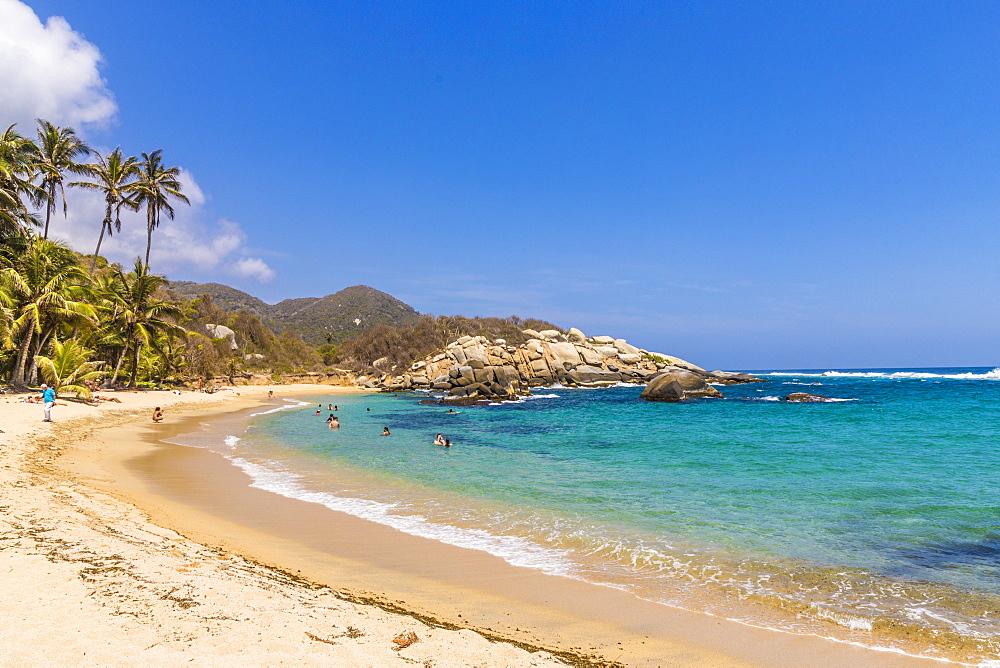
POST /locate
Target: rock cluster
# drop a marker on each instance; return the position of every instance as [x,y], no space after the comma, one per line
[475,368]
[678,385]
[806,398]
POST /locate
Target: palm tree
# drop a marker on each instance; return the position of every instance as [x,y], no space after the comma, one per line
[115,177]
[44,286]
[141,316]
[55,154]
[15,182]
[68,368]
[156,185]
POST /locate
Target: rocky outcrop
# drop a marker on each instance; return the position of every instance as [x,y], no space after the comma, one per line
[476,368]
[734,378]
[806,398]
[678,385]
[222,332]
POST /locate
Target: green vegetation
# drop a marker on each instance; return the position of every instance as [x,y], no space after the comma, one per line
[75,326]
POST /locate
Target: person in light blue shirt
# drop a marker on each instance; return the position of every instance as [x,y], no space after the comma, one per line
[49,399]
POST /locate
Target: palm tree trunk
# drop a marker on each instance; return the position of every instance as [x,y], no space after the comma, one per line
[17,379]
[118,366]
[150,222]
[43,340]
[49,206]
[98,250]
[135,367]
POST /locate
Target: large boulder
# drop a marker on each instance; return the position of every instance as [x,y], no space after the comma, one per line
[678,385]
[624,347]
[575,336]
[222,332]
[563,355]
[586,375]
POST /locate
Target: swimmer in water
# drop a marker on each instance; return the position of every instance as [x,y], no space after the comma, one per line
[452,411]
[334,423]
[439,440]
[447,442]
[386,432]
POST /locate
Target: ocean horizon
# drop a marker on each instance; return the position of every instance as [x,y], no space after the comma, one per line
[870,519]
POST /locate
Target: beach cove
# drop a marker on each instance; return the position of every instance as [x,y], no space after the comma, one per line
[212,575]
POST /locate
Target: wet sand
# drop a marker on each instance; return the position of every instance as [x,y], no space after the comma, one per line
[201,495]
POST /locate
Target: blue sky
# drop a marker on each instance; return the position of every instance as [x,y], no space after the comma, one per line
[742,184]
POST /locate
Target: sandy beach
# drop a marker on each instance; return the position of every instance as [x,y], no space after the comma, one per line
[119,548]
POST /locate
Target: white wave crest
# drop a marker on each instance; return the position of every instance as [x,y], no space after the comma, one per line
[231,440]
[896,375]
[512,549]
[292,403]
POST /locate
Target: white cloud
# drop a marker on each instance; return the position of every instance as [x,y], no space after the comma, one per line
[254,267]
[189,242]
[48,71]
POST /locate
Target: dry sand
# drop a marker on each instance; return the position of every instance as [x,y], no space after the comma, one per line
[118,549]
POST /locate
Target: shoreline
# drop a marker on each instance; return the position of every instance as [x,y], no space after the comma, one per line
[201,495]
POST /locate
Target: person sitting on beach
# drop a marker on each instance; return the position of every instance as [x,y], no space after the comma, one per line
[270,394]
[439,439]
[157,414]
[334,423]
[386,432]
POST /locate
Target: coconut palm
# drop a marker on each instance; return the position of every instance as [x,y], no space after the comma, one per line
[69,369]
[15,183]
[55,153]
[156,185]
[114,176]
[44,285]
[141,316]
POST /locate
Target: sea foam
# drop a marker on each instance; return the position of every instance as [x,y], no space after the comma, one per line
[512,549]
[896,375]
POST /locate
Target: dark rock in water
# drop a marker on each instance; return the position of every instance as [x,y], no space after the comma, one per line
[806,398]
[429,401]
[734,378]
[465,401]
[678,385]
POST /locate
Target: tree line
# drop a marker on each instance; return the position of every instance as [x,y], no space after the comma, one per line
[74,320]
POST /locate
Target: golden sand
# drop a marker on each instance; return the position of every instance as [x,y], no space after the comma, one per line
[118,548]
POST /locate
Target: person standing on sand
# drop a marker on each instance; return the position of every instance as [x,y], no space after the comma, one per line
[157,414]
[49,399]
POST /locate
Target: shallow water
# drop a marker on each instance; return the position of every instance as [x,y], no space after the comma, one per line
[875,519]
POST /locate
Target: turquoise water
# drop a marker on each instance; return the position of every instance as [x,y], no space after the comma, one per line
[874,519]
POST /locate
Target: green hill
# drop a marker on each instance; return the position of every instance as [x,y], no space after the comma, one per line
[318,320]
